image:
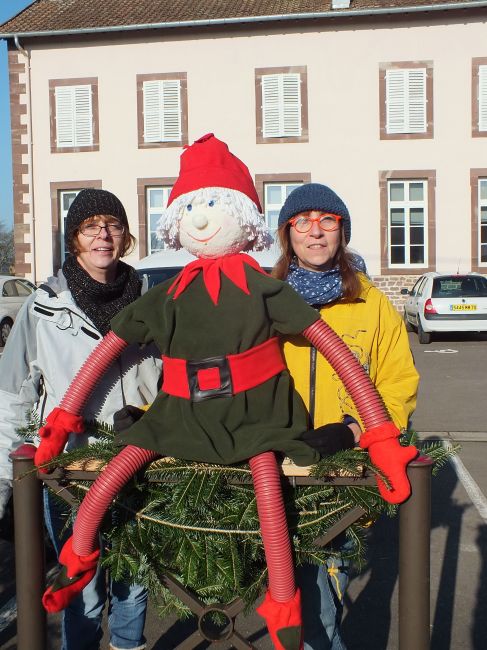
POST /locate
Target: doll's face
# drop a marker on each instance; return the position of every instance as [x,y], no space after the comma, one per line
[207,230]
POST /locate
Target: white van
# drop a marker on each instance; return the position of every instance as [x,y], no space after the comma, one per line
[161,266]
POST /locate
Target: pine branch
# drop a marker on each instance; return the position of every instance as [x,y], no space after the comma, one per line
[199,521]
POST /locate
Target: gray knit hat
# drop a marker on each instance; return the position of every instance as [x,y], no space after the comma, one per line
[89,203]
[314,196]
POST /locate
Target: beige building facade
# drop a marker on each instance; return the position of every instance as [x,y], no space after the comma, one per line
[389,110]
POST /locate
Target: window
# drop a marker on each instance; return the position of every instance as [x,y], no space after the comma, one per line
[273,190]
[407,221]
[483,220]
[456,286]
[479,97]
[156,201]
[66,197]
[281,104]
[162,110]
[478,183]
[74,115]
[62,195]
[9,289]
[153,194]
[406,100]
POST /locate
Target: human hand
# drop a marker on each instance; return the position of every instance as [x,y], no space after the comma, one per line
[5,492]
[330,438]
[125,417]
[389,456]
[54,435]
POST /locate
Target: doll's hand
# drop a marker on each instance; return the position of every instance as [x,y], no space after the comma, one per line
[76,572]
[391,458]
[127,416]
[54,435]
[330,438]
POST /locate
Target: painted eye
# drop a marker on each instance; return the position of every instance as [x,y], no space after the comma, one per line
[211,203]
[189,207]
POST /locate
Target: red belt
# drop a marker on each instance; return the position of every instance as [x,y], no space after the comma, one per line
[222,376]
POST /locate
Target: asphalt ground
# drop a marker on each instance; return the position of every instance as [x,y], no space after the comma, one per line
[451,407]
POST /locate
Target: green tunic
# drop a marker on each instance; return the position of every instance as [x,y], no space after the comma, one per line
[221,430]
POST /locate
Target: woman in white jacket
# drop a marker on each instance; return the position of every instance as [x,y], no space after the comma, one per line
[55,331]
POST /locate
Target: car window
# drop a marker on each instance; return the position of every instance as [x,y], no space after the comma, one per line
[23,289]
[414,290]
[9,289]
[151,277]
[457,286]
[422,286]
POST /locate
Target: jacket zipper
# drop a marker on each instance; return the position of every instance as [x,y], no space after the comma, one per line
[312,385]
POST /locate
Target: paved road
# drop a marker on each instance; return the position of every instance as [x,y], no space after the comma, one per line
[452,406]
[452,394]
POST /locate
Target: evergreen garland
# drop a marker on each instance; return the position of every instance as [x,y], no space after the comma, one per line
[199,523]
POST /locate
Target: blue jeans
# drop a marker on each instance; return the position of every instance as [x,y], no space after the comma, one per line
[82,619]
[322,591]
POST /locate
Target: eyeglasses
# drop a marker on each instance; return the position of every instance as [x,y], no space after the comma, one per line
[93,229]
[327,222]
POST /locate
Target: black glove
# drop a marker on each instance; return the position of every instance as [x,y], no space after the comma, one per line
[127,416]
[330,438]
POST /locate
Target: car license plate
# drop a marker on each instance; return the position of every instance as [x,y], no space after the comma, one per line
[463,307]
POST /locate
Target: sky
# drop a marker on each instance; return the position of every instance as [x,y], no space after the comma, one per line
[8,8]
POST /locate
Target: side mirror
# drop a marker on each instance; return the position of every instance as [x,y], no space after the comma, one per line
[405,292]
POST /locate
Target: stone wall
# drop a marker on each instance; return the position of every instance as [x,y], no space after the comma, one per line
[391,285]
[20,163]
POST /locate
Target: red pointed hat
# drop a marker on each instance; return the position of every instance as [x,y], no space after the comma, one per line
[209,163]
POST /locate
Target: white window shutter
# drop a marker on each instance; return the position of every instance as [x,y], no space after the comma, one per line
[64,116]
[171,106]
[83,120]
[281,105]
[406,100]
[74,116]
[291,92]
[417,101]
[270,106]
[483,98]
[162,110]
[152,111]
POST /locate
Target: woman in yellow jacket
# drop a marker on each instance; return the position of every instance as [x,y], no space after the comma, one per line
[314,230]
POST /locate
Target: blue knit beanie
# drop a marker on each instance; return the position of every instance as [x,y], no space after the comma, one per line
[314,196]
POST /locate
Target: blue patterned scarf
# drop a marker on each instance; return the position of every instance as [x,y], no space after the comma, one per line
[320,287]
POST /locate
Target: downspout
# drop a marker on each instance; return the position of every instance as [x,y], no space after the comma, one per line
[31,159]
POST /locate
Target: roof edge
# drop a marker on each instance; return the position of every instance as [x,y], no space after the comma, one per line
[445,6]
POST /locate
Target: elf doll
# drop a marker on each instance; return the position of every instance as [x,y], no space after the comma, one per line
[226,395]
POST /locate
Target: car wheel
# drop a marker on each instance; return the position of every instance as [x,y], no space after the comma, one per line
[423,337]
[409,327]
[5,327]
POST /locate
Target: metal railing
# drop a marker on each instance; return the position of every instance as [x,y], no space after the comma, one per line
[414,557]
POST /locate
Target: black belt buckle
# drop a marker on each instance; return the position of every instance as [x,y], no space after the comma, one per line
[225,388]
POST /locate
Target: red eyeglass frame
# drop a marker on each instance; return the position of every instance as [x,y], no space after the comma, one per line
[316,220]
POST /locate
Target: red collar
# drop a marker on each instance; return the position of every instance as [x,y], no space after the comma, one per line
[231,265]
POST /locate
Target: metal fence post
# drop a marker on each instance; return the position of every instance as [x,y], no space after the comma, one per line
[414,559]
[29,551]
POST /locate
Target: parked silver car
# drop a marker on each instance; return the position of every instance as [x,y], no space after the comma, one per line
[13,292]
[446,303]
[161,266]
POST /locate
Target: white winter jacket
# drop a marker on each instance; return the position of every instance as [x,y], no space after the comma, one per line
[48,344]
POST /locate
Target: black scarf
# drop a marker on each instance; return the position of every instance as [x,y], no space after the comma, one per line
[99,301]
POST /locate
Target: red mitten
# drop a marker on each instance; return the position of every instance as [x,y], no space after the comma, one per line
[283,621]
[54,435]
[76,572]
[391,458]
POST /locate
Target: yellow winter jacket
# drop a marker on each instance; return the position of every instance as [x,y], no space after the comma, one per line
[374,331]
